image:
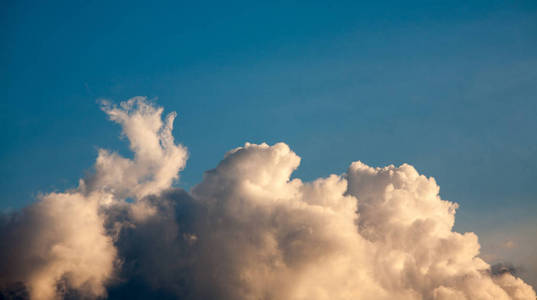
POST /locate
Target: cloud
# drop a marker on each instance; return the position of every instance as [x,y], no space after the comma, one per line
[247,231]
[503,268]
[157,160]
[59,238]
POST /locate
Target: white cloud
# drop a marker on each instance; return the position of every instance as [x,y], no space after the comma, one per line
[61,237]
[246,231]
[157,160]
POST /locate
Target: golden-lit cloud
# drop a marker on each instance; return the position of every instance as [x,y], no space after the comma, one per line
[247,231]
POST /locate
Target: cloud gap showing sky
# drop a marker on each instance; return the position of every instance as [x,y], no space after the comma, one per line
[246,231]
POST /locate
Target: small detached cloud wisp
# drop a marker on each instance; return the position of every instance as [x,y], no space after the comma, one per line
[247,231]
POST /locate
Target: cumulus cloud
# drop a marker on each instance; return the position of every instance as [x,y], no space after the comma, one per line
[247,231]
[60,238]
[157,160]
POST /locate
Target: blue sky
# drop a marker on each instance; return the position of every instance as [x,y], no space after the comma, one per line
[447,86]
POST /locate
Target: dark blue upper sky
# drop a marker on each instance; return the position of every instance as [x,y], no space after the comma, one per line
[447,86]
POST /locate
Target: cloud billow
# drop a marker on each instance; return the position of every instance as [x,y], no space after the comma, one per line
[247,231]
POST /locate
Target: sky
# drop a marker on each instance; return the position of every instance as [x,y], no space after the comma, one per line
[449,87]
